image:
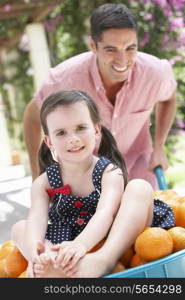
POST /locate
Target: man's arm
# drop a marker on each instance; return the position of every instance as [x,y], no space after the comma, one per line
[165,113]
[32,135]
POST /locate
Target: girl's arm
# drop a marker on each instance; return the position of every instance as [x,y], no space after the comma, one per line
[36,223]
[97,228]
[99,225]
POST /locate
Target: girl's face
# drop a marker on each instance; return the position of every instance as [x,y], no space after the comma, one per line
[72,134]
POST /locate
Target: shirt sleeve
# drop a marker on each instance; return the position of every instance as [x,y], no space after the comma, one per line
[168,83]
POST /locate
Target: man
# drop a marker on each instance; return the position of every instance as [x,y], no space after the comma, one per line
[126,85]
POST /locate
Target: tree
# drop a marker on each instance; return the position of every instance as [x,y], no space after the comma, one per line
[161,32]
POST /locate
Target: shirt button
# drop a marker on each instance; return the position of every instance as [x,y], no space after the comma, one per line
[114,133]
[115,115]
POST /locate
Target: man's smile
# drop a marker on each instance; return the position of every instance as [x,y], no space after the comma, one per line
[120,69]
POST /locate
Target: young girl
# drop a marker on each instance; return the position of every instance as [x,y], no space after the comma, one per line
[82,192]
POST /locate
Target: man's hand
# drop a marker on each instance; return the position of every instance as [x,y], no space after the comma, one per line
[158,158]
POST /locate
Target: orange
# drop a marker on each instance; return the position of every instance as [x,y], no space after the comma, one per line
[15,263]
[8,243]
[23,275]
[180,214]
[6,249]
[118,267]
[182,199]
[126,257]
[3,273]
[97,246]
[137,261]
[178,237]
[153,243]
[157,194]
[165,195]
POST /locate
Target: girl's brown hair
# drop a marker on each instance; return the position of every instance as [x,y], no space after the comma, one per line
[107,147]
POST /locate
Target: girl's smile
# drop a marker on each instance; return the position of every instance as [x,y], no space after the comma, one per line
[76,149]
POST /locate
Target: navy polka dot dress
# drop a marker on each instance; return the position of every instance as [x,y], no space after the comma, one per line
[163,215]
[68,215]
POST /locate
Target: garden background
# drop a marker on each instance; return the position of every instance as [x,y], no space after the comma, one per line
[66,24]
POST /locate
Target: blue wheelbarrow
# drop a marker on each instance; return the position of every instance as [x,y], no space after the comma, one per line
[171,266]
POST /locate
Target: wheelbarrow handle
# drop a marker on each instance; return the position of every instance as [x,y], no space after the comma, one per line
[160,178]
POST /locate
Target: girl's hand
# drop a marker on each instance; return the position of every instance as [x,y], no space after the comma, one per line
[69,253]
[35,250]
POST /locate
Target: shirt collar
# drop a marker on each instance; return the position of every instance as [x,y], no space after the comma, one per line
[95,74]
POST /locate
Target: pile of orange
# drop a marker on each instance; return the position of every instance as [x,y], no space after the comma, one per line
[151,244]
[154,242]
[176,202]
[12,262]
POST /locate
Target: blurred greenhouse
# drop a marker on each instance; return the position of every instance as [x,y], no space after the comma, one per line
[65,27]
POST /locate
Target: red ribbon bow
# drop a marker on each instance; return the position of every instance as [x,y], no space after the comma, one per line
[65,189]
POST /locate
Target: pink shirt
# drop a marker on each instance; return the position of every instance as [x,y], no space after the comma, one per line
[151,80]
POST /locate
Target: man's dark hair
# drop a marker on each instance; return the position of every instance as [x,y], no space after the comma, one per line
[111,16]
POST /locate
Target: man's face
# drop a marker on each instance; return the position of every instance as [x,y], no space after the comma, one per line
[116,54]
